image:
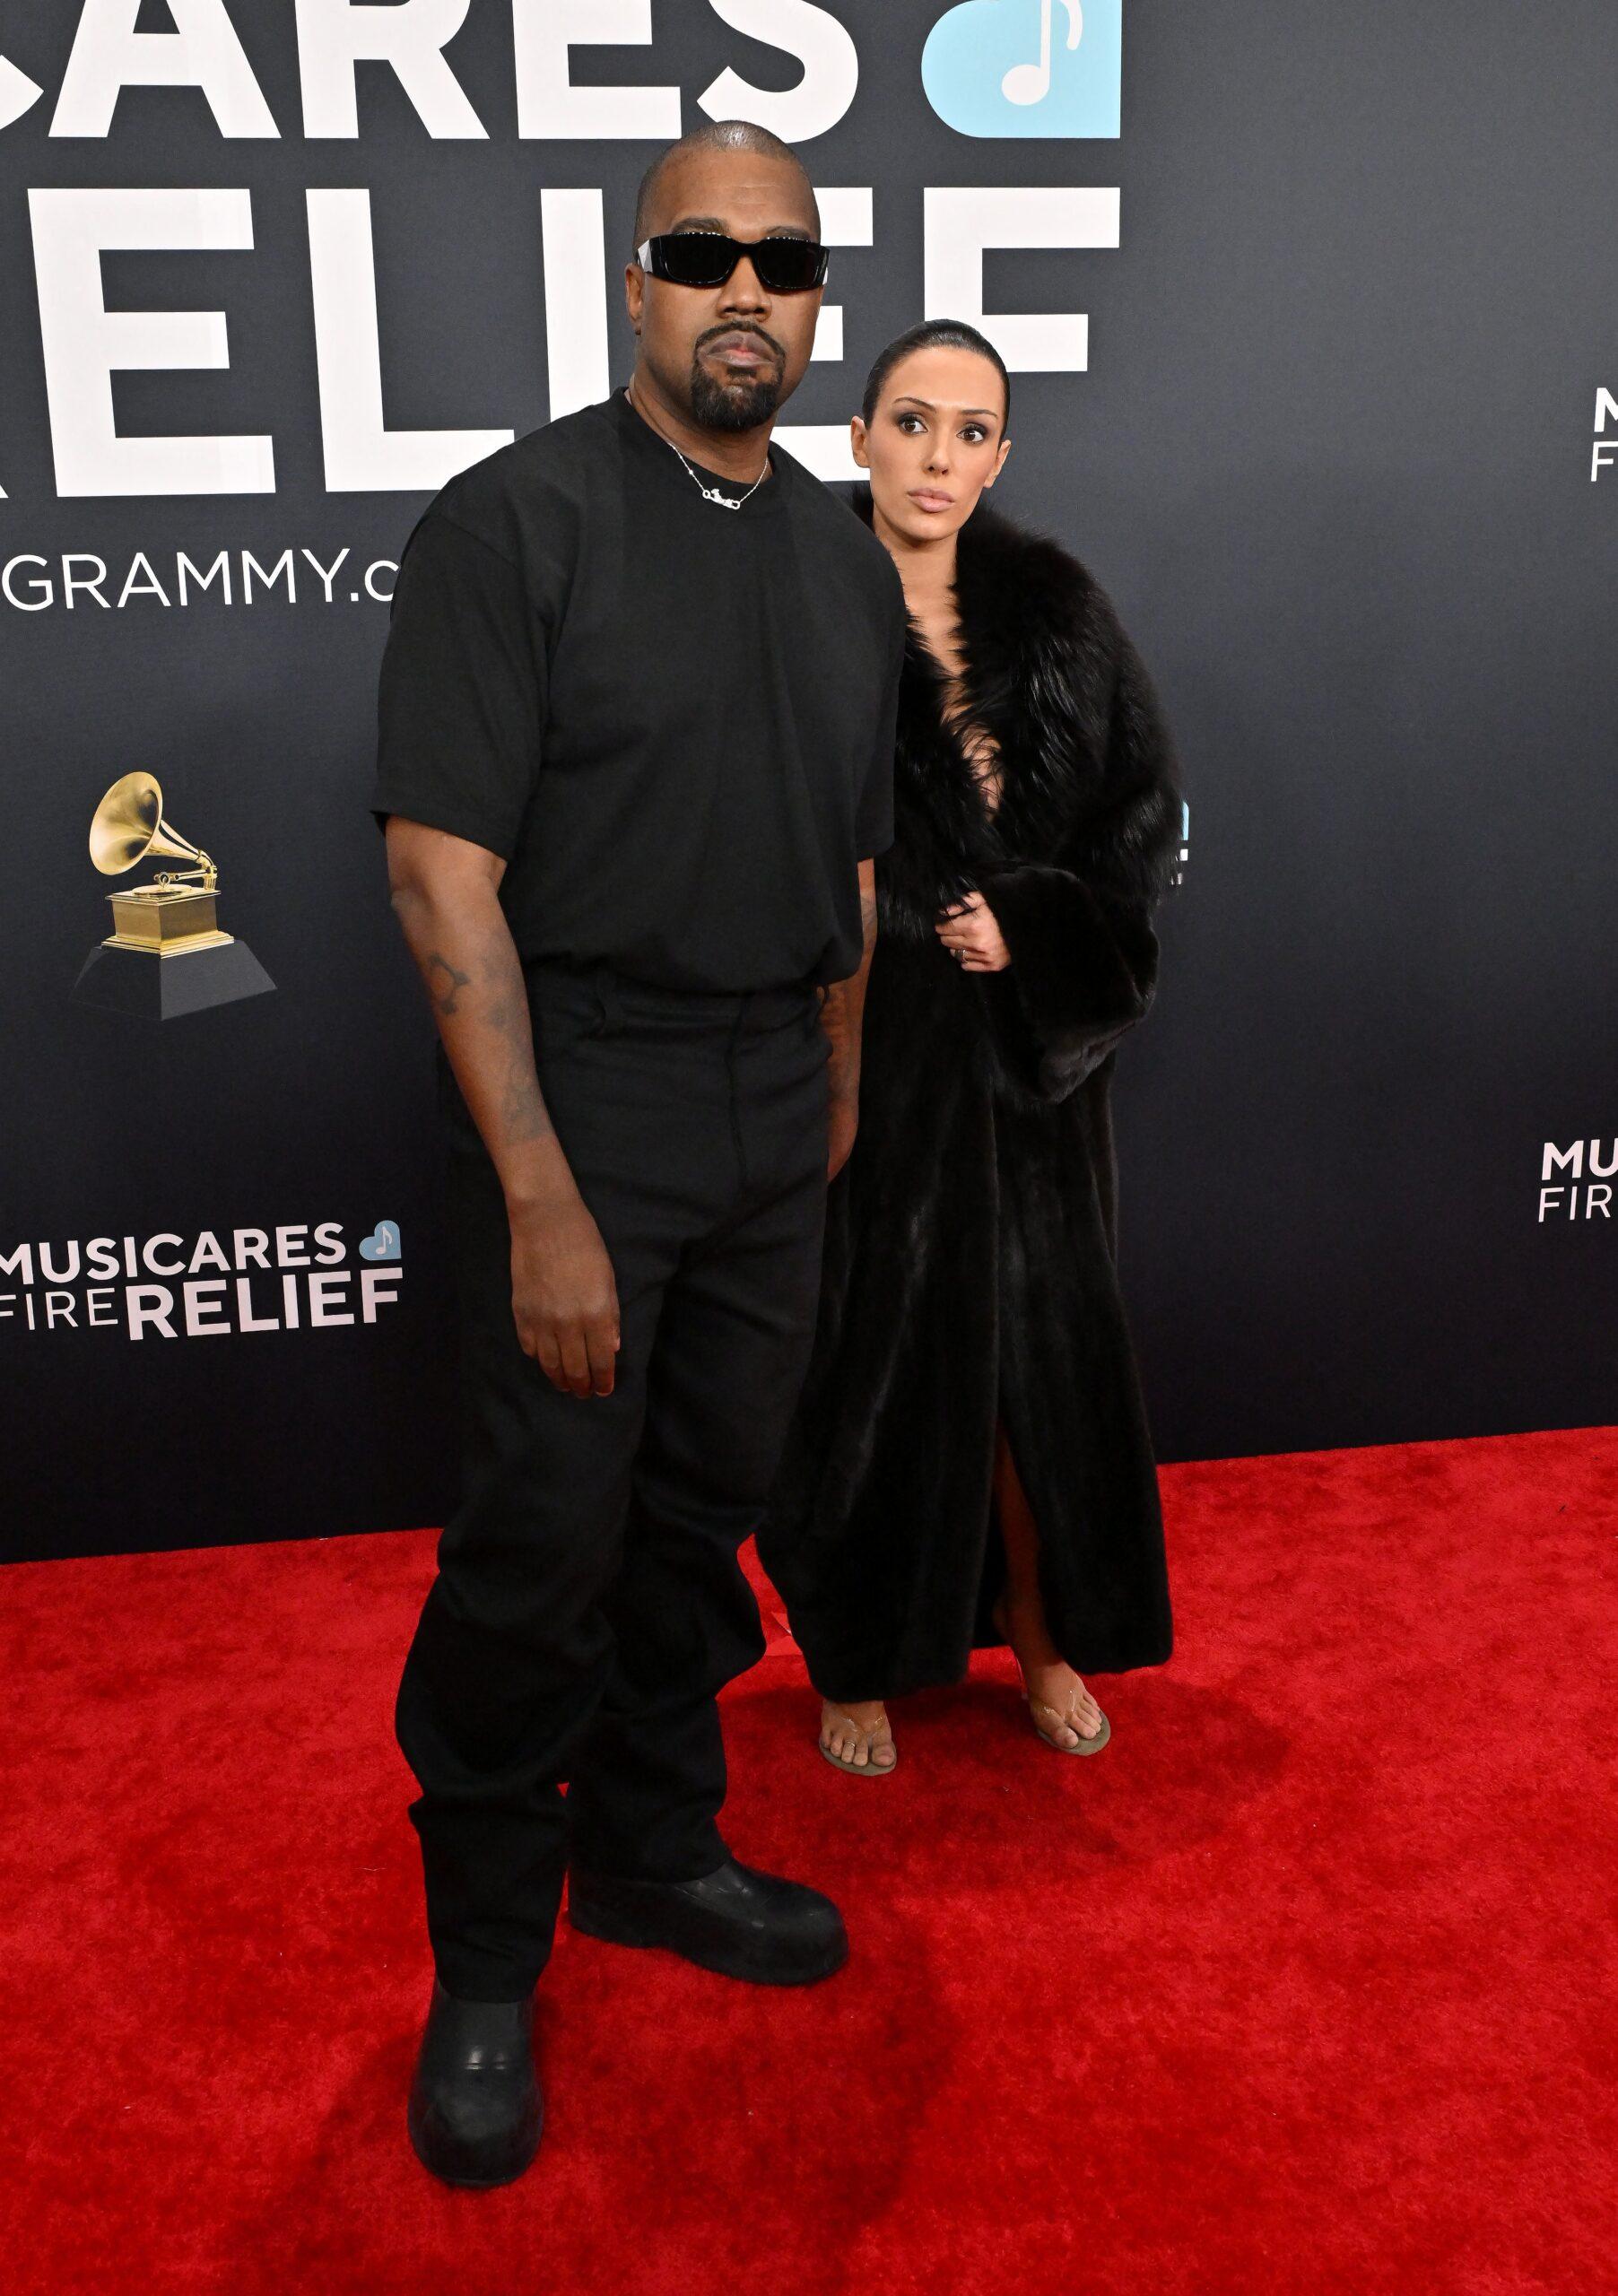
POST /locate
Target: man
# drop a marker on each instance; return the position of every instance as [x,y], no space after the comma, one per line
[636,728]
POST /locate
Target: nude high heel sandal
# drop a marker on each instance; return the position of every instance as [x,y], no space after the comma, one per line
[1059,1719]
[869,1733]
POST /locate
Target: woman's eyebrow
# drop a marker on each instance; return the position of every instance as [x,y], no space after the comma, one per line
[908,398]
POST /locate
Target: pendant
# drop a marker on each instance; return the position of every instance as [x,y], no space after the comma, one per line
[712,494]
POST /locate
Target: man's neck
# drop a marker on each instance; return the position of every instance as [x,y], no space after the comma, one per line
[739,455]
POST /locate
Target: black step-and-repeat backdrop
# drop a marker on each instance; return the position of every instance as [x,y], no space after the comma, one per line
[1314,315]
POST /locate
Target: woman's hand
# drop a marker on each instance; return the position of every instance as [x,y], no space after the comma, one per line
[968,932]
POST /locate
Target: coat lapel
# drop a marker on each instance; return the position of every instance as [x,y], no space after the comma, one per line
[1021,621]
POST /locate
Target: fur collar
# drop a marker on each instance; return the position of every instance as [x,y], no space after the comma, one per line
[1039,641]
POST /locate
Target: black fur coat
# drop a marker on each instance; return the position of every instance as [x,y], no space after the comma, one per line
[969,1271]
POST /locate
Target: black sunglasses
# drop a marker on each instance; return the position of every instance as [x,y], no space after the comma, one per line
[707,259]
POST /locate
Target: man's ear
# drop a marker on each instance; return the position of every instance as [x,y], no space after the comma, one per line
[634,293]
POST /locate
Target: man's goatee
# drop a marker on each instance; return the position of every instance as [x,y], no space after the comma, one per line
[732,406]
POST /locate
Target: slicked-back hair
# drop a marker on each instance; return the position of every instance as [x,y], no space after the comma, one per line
[717,135]
[955,335]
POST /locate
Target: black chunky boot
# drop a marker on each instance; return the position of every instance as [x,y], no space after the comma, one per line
[476,2109]
[742,1923]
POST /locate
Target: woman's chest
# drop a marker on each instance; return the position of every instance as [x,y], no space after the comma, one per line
[963,724]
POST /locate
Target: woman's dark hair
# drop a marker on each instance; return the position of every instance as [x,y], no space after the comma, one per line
[956,335]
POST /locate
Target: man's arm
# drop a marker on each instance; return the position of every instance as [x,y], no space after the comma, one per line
[843,1007]
[843,1017]
[445,892]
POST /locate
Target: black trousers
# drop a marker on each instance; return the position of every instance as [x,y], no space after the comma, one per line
[588,1602]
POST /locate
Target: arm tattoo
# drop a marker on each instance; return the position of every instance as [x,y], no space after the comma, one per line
[442,996]
[522,1109]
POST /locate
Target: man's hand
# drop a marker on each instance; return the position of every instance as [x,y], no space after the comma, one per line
[968,932]
[563,1296]
[842,1014]
[564,1301]
[840,1131]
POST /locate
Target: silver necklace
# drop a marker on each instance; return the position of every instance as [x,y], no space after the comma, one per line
[710,493]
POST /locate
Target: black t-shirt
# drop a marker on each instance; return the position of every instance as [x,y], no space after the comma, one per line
[673,722]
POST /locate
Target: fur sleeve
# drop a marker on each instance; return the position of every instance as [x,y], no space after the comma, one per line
[1083,967]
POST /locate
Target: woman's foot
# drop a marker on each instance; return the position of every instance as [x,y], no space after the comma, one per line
[1063,1710]
[857,1736]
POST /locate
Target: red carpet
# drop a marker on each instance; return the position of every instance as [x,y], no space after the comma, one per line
[1305,1984]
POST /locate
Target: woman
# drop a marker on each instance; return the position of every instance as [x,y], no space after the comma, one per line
[970,1461]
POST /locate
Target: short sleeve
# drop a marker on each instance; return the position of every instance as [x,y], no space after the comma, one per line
[873,824]
[461,695]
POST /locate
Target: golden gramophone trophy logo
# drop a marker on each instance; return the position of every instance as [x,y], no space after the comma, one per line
[166,954]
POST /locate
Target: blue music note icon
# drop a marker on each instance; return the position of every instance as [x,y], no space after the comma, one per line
[993,67]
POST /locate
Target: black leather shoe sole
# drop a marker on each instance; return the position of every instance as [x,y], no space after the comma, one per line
[804,1942]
